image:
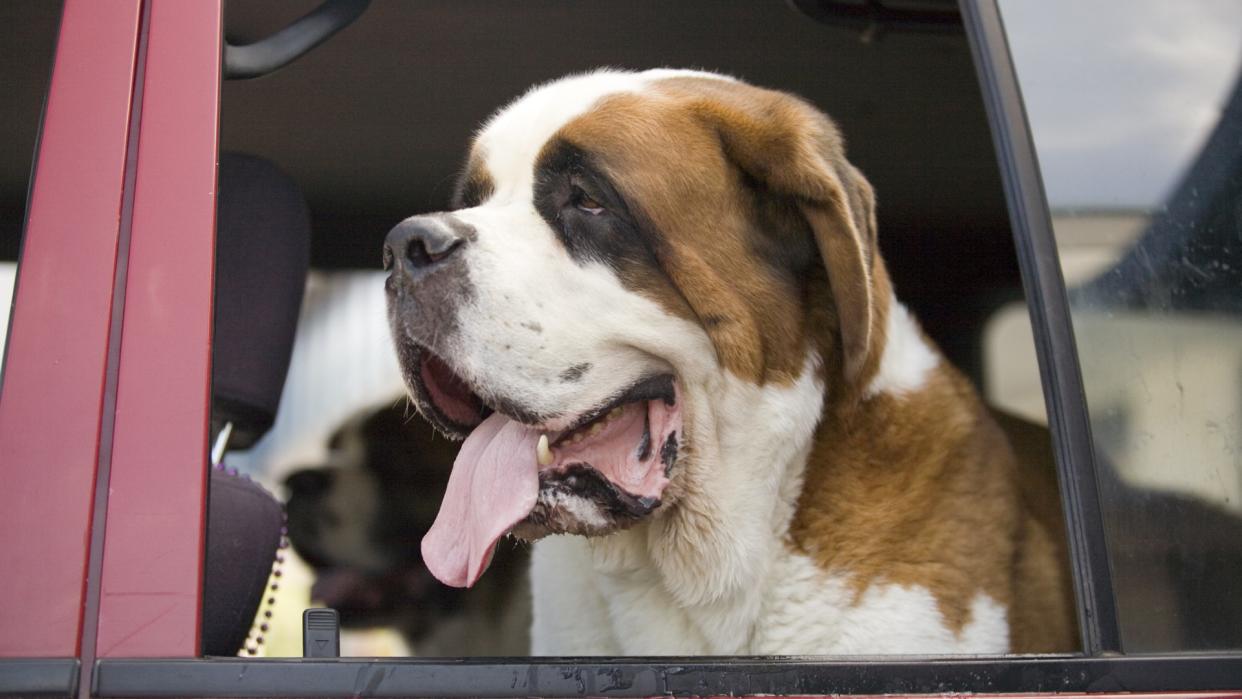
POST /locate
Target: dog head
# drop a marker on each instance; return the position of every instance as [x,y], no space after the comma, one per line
[627,250]
[358,519]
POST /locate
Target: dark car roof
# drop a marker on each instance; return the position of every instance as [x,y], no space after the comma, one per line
[373,124]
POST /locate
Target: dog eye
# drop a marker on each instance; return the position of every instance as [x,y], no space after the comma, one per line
[583,202]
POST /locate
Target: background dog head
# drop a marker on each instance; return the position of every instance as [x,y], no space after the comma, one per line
[358,521]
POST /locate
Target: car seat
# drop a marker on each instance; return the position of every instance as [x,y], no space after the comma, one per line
[262,256]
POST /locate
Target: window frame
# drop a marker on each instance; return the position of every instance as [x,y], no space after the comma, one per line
[1048,303]
[171,98]
[59,359]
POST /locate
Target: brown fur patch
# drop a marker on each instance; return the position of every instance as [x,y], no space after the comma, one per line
[1047,621]
[751,197]
[475,184]
[923,489]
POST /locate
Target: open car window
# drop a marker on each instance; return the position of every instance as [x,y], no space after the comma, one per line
[371,140]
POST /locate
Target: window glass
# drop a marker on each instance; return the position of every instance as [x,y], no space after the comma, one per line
[1136,114]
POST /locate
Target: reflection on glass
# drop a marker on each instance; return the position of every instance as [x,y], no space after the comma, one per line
[1136,114]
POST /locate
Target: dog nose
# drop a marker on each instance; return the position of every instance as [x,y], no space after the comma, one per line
[419,244]
[307,483]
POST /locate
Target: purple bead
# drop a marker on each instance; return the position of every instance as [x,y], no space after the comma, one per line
[271,600]
[275,587]
[267,614]
[263,628]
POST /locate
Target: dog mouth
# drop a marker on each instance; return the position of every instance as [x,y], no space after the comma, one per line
[531,474]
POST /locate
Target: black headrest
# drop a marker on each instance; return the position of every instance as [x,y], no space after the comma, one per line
[244,524]
[262,255]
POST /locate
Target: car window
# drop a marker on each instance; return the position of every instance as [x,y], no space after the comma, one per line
[1136,114]
[370,129]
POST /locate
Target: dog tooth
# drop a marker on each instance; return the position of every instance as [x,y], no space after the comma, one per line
[596,428]
[542,451]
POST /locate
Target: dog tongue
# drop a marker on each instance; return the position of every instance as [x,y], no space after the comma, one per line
[494,484]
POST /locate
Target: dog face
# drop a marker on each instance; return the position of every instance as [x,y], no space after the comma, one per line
[627,250]
[366,507]
[358,519]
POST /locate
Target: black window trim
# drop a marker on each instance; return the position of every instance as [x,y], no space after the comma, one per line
[648,677]
[39,677]
[1057,353]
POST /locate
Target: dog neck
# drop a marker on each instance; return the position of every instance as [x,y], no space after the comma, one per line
[712,550]
[712,553]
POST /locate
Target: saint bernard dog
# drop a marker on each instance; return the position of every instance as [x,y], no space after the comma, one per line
[658,319]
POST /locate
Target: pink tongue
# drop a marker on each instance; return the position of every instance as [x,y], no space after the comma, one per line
[494,484]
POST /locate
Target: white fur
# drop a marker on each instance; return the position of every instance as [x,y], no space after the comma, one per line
[907,358]
[712,573]
[803,610]
[807,608]
[693,580]
[510,141]
[536,311]
[584,510]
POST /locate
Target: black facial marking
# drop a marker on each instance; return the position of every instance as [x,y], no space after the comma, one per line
[787,246]
[668,452]
[517,411]
[575,372]
[563,176]
[644,446]
[583,481]
[422,308]
[653,388]
[410,359]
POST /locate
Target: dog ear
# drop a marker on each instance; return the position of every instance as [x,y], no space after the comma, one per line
[794,150]
[844,227]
